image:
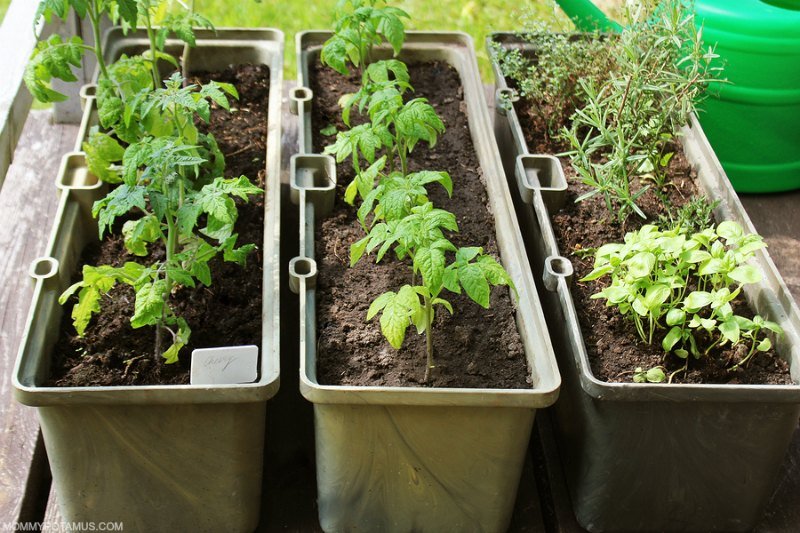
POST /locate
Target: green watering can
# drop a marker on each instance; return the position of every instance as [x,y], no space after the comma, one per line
[754,122]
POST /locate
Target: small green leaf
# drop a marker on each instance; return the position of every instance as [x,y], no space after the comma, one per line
[641,264]
[675,317]
[730,230]
[149,304]
[671,339]
[328,131]
[730,330]
[696,301]
[745,274]
[655,375]
[471,277]
[598,272]
[357,250]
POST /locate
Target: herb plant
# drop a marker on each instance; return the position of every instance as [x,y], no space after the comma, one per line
[685,284]
[627,124]
[551,80]
[617,103]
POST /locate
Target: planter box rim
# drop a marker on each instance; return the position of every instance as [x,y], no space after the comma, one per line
[545,391]
[272,41]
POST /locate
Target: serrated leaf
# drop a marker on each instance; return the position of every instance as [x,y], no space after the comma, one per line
[138,233]
[334,54]
[357,250]
[427,176]
[101,151]
[494,271]
[202,272]
[394,31]
[149,305]
[52,58]
[118,202]
[474,282]
[379,303]
[128,11]
[431,264]
[181,276]
[395,319]
[450,279]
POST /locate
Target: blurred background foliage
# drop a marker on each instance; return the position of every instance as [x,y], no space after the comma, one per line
[475,17]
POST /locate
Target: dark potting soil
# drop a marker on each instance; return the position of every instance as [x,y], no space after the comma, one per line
[614,348]
[474,347]
[227,313]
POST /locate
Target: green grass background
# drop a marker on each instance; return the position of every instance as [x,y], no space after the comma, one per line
[476,17]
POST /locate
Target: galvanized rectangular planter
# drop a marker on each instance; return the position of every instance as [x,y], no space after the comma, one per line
[654,457]
[417,459]
[157,458]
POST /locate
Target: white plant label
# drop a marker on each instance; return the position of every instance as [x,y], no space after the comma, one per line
[224,366]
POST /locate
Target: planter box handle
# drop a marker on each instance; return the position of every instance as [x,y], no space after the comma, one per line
[541,173]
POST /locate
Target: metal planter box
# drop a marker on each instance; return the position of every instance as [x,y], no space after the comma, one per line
[157,458]
[417,459]
[655,457]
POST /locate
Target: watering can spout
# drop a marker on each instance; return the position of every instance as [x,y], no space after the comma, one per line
[587,16]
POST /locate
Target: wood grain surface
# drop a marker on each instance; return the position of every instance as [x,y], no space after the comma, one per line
[27,205]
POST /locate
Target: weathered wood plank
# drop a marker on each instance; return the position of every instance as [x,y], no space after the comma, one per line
[17,40]
[777,219]
[27,206]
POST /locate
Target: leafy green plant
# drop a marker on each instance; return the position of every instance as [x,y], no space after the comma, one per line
[166,174]
[394,125]
[54,57]
[360,26]
[420,236]
[156,186]
[695,215]
[396,212]
[685,283]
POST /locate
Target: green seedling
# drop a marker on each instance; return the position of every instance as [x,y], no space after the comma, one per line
[166,112]
[395,211]
[685,283]
[395,126]
[360,26]
[550,80]
[156,186]
[166,174]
